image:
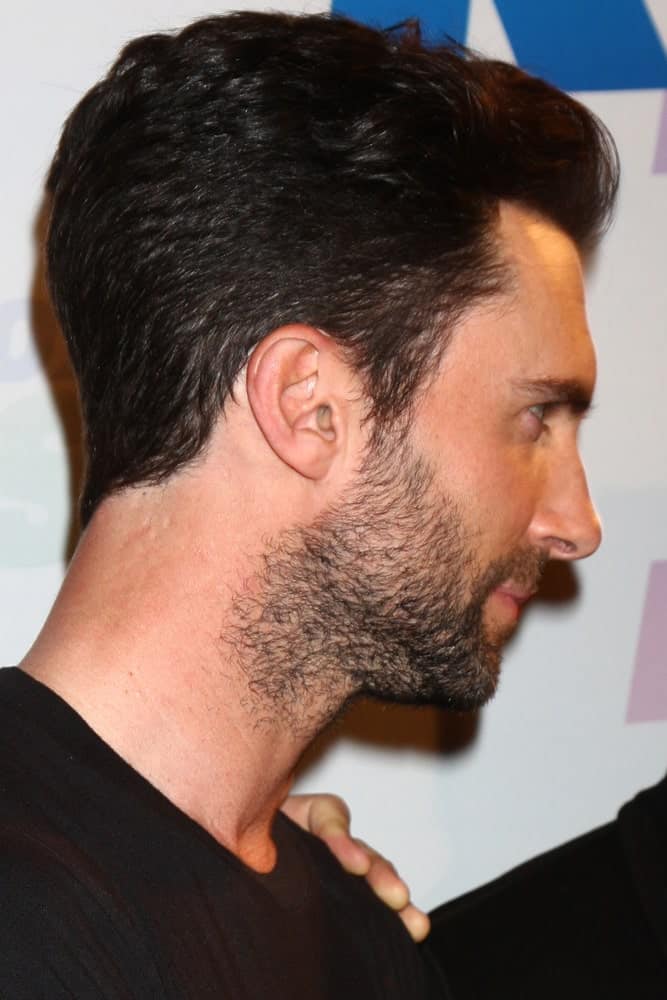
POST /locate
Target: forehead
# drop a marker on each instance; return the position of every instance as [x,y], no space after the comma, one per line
[538,329]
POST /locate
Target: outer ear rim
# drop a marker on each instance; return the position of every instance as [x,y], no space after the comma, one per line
[290,379]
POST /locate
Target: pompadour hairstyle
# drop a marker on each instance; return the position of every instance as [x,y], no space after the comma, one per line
[258,169]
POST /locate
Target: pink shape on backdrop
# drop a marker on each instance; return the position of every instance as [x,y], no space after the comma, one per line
[648,694]
[660,162]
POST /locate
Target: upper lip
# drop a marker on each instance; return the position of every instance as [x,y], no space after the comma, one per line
[518,594]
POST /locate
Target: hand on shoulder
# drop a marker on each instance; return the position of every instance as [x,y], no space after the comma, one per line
[328,817]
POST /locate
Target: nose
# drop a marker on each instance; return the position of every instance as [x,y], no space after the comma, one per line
[567,525]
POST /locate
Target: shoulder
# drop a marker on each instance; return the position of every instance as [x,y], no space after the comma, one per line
[554,875]
[566,923]
[63,933]
[354,927]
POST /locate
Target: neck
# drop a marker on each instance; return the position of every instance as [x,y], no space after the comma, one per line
[134,645]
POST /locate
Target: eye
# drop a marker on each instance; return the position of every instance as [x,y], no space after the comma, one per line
[539,410]
[536,423]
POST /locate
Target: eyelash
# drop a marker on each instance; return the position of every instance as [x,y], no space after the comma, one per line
[548,407]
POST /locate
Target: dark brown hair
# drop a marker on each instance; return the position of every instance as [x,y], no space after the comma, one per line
[257,169]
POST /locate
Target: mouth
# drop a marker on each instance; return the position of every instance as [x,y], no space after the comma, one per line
[512,599]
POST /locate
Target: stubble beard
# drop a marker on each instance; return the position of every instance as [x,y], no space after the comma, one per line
[382,597]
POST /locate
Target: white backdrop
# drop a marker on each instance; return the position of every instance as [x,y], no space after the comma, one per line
[580,722]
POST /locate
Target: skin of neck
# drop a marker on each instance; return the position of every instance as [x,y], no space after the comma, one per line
[133,642]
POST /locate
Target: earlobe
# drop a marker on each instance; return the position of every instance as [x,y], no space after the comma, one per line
[294,393]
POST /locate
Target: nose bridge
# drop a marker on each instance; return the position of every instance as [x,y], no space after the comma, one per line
[569,524]
[589,527]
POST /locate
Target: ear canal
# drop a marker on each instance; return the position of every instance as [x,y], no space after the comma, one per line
[323,417]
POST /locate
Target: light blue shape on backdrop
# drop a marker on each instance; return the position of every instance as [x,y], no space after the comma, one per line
[449,17]
[585,44]
[576,44]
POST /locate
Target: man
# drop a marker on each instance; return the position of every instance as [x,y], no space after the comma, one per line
[322,291]
[586,919]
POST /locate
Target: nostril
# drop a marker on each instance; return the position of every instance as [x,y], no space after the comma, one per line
[564,548]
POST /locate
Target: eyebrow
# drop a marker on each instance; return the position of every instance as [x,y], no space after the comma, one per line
[568,392]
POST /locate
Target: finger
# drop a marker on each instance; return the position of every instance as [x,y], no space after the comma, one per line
[318,813]
[386,883]
[416,922]
[297,807]
[328,817]
[392,890]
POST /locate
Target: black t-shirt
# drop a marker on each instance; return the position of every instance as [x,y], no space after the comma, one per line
[108,891]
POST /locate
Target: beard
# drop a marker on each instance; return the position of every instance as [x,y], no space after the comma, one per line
[381,596]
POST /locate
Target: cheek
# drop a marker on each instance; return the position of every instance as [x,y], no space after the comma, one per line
[501,501]
[495,482]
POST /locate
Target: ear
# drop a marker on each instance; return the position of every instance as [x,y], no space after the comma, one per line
[299,390]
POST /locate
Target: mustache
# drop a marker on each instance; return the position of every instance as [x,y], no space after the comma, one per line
[524,568]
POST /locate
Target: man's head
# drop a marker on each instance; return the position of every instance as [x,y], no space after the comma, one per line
[385,241]
[407,587]
[260,169]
